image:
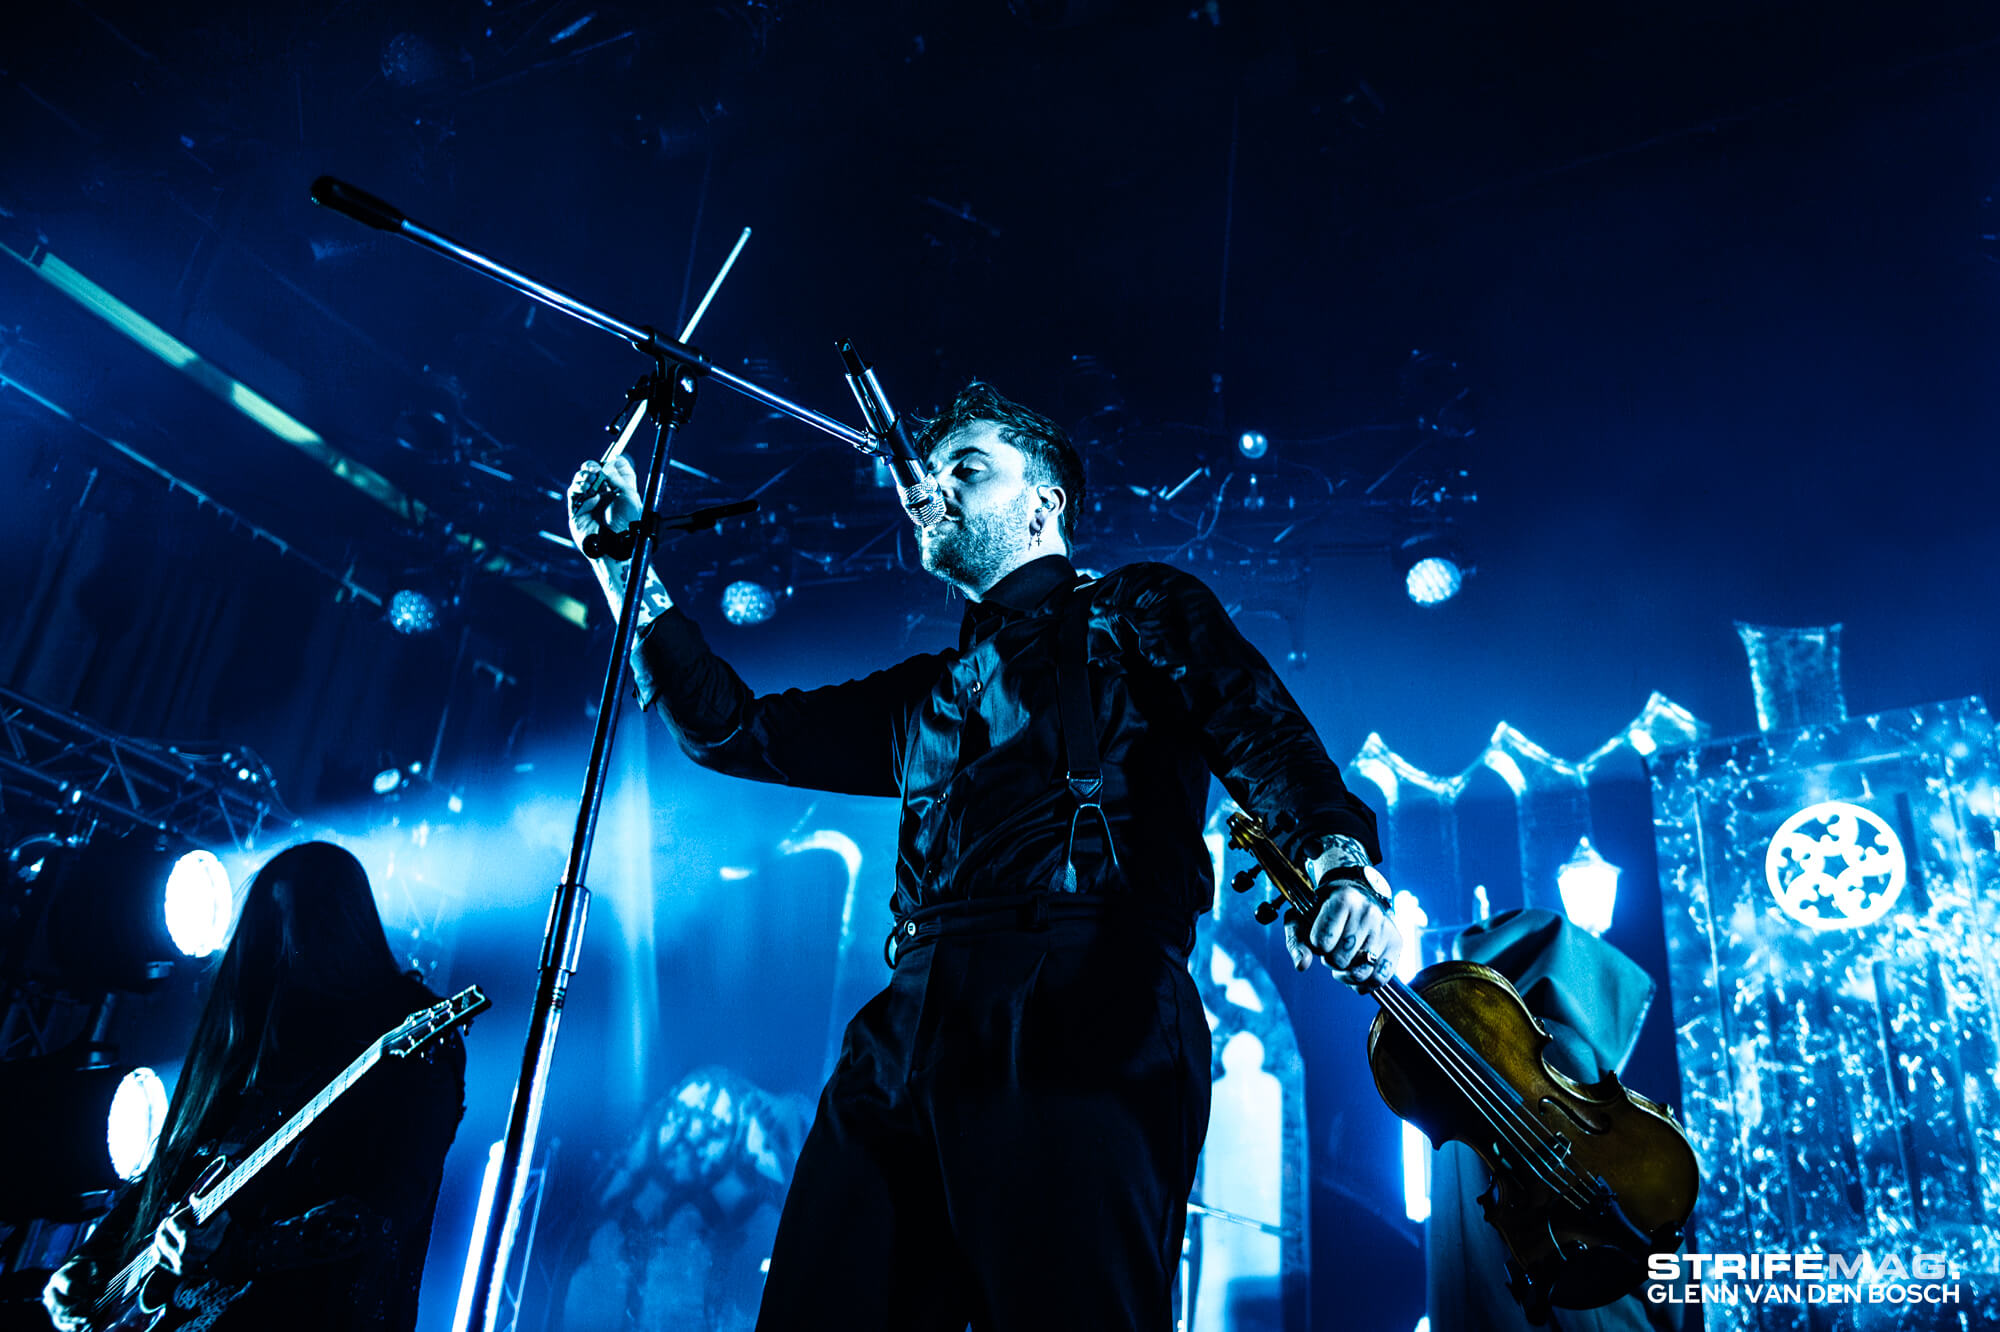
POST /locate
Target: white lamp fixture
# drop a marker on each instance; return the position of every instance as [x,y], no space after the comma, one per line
[1589,886]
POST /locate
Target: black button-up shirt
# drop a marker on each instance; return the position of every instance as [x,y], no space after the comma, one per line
[970,738]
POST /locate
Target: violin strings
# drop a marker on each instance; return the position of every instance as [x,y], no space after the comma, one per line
[1532,1135]
[1476,1093]
[1447,1047]
[1417,1018]
[1417,1012]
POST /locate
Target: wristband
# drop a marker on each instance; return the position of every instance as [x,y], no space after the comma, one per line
[1353,876]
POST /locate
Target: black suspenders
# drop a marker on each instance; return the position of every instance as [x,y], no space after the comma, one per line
[1079,737]
[1088,836]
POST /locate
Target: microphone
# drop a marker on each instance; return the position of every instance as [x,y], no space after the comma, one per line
[917,487]
[357,203]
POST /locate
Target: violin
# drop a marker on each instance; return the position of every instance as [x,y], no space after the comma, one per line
[1588,1180]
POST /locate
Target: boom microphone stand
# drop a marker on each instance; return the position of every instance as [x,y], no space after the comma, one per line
[668,399]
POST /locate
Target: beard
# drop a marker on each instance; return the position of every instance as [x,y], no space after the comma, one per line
[974,550]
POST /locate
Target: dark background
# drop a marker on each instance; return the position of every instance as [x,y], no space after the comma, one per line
[1720,279]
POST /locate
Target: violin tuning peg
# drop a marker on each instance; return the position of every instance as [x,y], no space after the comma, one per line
[1243,880]
[1266,912]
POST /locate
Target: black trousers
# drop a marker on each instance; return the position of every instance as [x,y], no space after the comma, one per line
[1008,1139]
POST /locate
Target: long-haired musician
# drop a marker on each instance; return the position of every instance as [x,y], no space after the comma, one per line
[331,1235]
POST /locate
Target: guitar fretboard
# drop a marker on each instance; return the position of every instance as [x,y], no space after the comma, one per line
[212,1201]
[126,1282]
[419,1030]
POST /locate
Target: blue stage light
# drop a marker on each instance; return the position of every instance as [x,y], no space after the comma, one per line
[489,1184]
[77,1133]
[1416,1174]
[138,1113]
[411,612]
[745,602]
[267,414]
[1433,566]
[199,904]
[121,911]
[1411,916]
[1433,580]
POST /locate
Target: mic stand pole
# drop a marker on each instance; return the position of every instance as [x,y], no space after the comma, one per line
[678,369]
[670,400]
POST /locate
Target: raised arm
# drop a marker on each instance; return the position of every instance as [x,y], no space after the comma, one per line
[843,737]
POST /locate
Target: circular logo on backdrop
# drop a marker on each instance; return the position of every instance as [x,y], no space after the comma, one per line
[1835,866]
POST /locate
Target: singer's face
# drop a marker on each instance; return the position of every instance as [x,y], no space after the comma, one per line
[989,505]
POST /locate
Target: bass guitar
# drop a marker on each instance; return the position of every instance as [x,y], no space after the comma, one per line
[142,1294]
[1588,1180]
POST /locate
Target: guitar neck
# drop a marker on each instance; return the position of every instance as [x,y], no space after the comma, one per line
[214,1199]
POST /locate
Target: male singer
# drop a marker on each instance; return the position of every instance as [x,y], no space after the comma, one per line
[1011,1132]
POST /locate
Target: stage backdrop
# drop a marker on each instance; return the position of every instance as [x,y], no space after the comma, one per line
[1830,890]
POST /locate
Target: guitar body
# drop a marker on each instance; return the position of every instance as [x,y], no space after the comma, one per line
[1577,1257]
[166,1304]
[141,1315]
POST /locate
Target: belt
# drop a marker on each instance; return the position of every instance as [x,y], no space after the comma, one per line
[1033,911]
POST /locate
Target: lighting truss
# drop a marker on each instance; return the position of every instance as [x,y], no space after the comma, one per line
[71,766]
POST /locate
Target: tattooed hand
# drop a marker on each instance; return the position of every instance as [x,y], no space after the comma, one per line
[607,497]
[1351,931]
[603,498]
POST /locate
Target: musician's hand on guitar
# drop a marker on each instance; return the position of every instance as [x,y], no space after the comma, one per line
[71,1289]
[170,1242]
[602,497]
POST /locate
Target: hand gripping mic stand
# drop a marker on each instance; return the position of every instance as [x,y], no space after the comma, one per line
[667,396]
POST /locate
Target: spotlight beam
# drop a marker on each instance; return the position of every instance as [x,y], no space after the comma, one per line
[202,499]
[297,434]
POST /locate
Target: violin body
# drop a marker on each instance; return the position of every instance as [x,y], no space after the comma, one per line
[1588,1181]
[1617,1180]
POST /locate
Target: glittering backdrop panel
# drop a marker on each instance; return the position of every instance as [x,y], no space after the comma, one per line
[1830,901]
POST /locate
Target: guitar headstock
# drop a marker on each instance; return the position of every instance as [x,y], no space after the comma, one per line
[429,1024]
[1247,833]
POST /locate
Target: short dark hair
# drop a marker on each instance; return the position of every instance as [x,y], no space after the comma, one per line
[1046,444]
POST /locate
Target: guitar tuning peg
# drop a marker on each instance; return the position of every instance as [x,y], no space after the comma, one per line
[1243,879]
[1266,912]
